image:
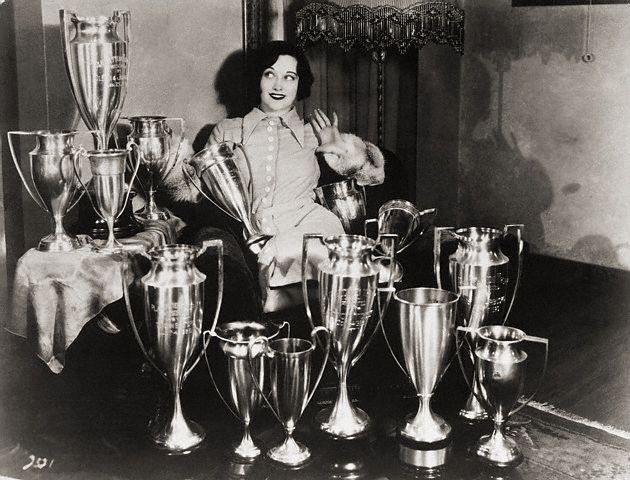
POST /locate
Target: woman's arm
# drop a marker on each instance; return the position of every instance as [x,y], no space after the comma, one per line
[347,154]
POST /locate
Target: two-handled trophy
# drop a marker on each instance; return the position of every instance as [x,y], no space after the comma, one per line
[426,318]
[500,364]
[96,54]
[216,166]
[244,365]
[402,218]
[54,186]
[348,286]
[173,292]
[479,265]
[346,200]
[154,136]
[108,185]
[289,369]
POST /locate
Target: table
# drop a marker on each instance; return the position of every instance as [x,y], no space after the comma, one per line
[56,293]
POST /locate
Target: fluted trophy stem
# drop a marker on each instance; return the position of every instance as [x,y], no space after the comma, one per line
[247,448]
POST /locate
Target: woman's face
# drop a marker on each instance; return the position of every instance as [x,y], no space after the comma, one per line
[279,85]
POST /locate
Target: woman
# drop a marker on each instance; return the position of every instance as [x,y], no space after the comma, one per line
[282,153]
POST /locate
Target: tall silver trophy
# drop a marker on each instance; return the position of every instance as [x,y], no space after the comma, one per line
[108,188]
[289,369]
[216,167]
[500,363]
[234,339]
[346,200]
[426,318]
[479,265]
[154,137]
[96,54]
[53,184]
[348,287]
[173,292]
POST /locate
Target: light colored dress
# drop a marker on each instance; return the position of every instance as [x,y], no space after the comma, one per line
[281,152]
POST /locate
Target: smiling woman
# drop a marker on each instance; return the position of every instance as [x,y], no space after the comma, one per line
[281,164]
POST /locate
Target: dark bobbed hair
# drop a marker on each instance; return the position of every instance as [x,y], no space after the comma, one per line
[265,56]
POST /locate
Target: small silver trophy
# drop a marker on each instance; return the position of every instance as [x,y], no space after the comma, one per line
[108,181]
[173,315]
[55,188]
[96,55]
[346,200]
[153,136]
[499,365]
[289,362]
[216,167]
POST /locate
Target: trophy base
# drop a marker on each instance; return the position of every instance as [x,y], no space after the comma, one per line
[246,451]
[101,246]
[425,429]
[58,243]
[290,453]
[347,425]
[498,450]
[430,461]
[179,438]
[154,215]
[473,416]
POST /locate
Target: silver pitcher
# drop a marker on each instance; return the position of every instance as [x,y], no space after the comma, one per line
[173,292]
[108,181]
[499,374]
[234,339]
[346,200]
[347,287]
[479,265]
[216,167]
[290,381]
[154,137]
[426,318]
[54,186]
[96,54]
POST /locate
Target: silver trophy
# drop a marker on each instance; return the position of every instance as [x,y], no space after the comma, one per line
[289,369]
[234,340]
[346,200]
[347,289]
[478,262]
[173,314]
[96,54]
[154,136]
[108,183]
[500,365]
[216,167]
[426,317]
[54,186]
[402,218]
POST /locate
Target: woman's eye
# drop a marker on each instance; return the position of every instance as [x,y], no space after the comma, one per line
[268,74]
[290,77]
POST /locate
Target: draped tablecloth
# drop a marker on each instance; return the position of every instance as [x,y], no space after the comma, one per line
[56,293]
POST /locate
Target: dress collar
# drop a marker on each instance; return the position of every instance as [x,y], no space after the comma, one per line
[291,119]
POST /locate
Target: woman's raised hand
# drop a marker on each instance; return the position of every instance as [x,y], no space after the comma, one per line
[327,133]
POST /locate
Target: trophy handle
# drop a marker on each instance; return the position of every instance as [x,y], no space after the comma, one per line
[389,291]
[367,223]
[472,332]
[545,342]
[170,166]
[265,351]
[83,191]
[83,152]
[124,267]
[189,177]
[218,245]
[419,231]
[207,334]
[130,145]
[124,16]
[305,241]
[316,339]
[437,252]
[38,199]
[519,240]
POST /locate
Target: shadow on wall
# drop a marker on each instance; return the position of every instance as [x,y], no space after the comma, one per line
[598,249]
[499,184]
[230,87]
